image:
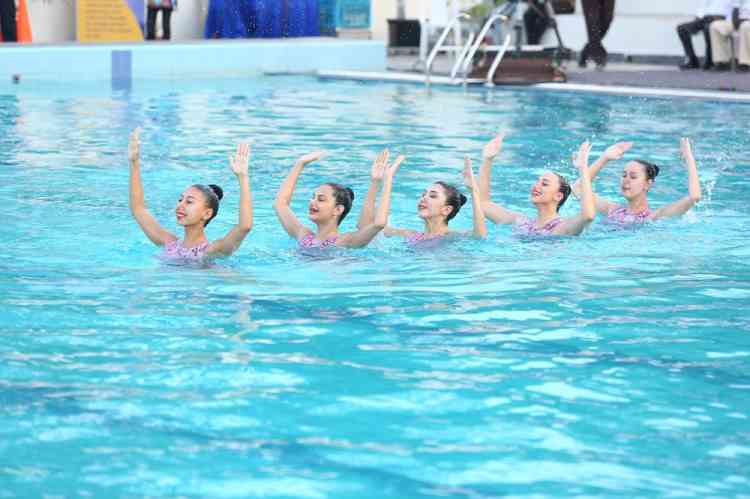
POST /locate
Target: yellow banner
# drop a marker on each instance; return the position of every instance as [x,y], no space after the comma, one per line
[106,21]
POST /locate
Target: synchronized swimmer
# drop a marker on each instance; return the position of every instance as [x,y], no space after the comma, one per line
[437,206]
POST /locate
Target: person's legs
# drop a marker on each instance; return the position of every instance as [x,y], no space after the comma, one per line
[8,20]
[165,25]
[535,26]
[685,32]
[744,47]
[592,16]
[607,14]
[721,48]
[708,61]
[151,23]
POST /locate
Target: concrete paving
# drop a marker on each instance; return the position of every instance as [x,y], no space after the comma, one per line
[617,74]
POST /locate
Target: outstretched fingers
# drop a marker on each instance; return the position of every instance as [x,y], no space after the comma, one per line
[581,158]
[686,149]
[311,157]
[134,145]
[396,165]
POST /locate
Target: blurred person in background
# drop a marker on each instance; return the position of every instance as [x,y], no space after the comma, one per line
[710,11]
[598,15]
[721,33]
[8,20]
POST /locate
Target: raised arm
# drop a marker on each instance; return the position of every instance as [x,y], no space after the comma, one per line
[365,234]
[480,226]
[694,186]
[493,211]
[286,216]
[155,232]
[612,153]
[367,215]
[229,243]
[574,226]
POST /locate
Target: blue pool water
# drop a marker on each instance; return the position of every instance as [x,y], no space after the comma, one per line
[616,364]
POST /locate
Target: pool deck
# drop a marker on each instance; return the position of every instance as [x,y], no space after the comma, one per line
[623,77]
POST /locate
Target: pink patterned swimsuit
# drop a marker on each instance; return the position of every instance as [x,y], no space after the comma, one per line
[420,239]
[176,251]
[529,228]
[309,241]
[621,216]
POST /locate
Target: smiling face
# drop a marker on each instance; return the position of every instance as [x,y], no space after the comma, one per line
[634,182]
[546,190]
[322,207]
[432,203]
[192,208]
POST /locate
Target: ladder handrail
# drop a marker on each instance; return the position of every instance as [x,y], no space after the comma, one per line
[478,41]
[439,44]
[461,56]
[498,58]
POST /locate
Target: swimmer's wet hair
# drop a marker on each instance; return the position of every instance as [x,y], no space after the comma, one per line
[213,195]
[343,196]
[453,198]
[651,169]
[564,189]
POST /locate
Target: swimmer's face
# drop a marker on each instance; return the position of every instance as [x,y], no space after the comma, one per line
[192,208]
[432,203]
[322,206]
[546,190]
[634,182]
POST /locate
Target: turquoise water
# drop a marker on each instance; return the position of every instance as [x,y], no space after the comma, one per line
[616,364]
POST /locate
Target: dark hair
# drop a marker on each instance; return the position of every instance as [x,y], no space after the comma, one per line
[213,195]
[651,169]
[564,189]
[453,198]
[343,196]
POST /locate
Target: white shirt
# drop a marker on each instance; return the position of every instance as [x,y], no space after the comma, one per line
[716,8]
[744,6]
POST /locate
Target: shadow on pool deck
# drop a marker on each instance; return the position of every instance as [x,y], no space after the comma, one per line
[621,74]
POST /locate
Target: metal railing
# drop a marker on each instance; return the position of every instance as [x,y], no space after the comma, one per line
[439,46]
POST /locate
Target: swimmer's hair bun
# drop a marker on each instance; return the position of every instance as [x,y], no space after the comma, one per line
[350,192]
[461,199]
[217,190]
[652,171]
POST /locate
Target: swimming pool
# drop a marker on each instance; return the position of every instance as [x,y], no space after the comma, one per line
[615,364]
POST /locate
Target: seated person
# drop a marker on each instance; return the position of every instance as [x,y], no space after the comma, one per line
[721,31]
[712,10]
[536,21]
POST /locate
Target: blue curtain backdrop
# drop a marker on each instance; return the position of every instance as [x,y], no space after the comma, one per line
[262,18]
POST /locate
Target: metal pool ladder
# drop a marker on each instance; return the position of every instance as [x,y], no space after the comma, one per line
[467,52]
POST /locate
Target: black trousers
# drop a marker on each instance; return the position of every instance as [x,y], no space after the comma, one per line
[598,15]
[535,23]
[166,13]
[687,30]
[8,20]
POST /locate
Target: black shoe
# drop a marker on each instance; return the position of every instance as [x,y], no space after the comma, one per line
[708,66]
[582,60]
[743,68]
[690,64]
[722,66]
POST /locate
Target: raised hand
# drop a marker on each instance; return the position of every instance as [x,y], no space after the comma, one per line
[134,146]
[492,148]
[469,180]
[581,158]
[686,149]
[311,157]
[392,169]
[379,166]
[617,151]
[239,162]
